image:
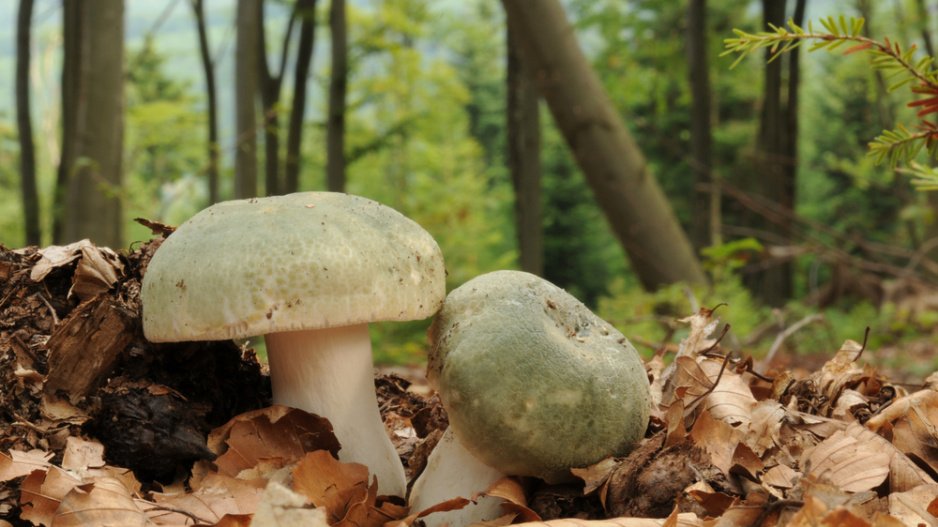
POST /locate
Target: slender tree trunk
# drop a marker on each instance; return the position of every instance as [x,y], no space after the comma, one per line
[94,173]
[624,187]
[74,83]
[208,66]
[335,134]
[776,156]
[306,9]
[270,85]
[25,125]
[246,86]
[706,193]
[524,158]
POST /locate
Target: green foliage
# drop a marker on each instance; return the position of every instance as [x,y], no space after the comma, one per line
[11,210]
[650,319]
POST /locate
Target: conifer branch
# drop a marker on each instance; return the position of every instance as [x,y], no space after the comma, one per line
[887,56]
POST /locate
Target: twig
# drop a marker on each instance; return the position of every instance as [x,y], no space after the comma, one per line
[816,317]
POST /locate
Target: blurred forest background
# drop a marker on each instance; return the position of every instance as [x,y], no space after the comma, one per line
[116,109]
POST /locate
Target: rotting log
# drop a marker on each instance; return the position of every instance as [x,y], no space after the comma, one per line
[85,347]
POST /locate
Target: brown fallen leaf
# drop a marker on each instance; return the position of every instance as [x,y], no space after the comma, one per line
[678,520]
[19,464]
[216,497]
[718,439]
[911,506]
[97,271]
[281,507]
[42,491]
[106,501]
[55,256]
[276,432]
[342,489]
[852,464]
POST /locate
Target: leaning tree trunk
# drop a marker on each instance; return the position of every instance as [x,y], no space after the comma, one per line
[246,84]
[93,170]
[335,134]
[25,125]
[211,93]
[626,190]
[306,10]
[524,158]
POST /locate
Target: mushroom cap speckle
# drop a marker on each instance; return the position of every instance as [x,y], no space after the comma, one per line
[308,260]
[534,383]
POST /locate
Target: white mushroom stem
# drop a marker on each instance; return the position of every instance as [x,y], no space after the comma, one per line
[453,472]
[330,372]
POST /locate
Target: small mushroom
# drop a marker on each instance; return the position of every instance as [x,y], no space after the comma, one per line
[309,271]
[534,384]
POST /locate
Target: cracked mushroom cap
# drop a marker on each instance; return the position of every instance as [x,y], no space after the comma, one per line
[533,382]
[308,260]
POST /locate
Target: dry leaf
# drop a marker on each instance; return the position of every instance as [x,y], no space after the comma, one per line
[911,507]
[718,439]
[341,488]
[19,464]
[55,256]
[105,502]
[781,476]
[276,432]
[216,497]
[42,492]
[97,271]
[731,401]
[594,476]
[853,465]
[281,507]
[901,407]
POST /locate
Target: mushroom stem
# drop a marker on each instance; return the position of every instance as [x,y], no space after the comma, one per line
[330,372]
[453,472]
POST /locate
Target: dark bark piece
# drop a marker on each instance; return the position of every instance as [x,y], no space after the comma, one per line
[84,349]
[151,429]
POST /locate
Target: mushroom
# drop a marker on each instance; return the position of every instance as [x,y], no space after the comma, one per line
[533,382]
[309,271]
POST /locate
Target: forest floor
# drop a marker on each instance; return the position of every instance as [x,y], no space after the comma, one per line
[99,425]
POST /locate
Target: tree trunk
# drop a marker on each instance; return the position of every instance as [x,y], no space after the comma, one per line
[93,170]
[627,192]
[777,154]
[25,125]
[706,193]
[270,98]
[524,158]
[211,93]
[306,9]
[246,85]
[335,134]
[74,44]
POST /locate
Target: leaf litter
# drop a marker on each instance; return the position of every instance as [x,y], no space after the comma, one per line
[840,446]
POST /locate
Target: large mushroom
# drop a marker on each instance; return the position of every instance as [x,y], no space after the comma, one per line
[309,271]
[534,384]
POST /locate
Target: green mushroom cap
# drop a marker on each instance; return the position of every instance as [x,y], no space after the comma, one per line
[535,383]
